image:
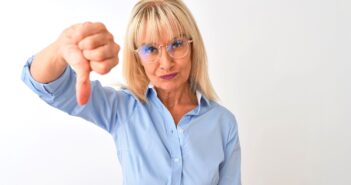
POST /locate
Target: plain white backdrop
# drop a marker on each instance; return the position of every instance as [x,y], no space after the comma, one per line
[283,67]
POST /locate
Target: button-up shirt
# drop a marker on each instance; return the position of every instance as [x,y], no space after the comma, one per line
[202,149]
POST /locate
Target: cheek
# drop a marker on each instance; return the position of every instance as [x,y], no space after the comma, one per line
[187,69]
[149,70]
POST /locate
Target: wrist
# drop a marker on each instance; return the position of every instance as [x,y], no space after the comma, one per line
[57,56]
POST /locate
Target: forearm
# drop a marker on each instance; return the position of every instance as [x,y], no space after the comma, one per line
[48,65]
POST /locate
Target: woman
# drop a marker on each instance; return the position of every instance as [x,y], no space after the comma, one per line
[166,125]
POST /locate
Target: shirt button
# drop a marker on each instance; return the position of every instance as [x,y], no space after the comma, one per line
[176,159]
[180,130]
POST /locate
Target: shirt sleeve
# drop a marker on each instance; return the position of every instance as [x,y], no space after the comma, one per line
[230,170]
[106,106]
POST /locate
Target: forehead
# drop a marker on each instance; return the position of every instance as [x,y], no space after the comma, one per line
[150,33]
[159,22]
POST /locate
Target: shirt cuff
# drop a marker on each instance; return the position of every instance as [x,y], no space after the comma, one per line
[45,89]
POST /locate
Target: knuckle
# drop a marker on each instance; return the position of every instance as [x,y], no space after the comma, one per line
[116,48]
[86,24]
[109,36]
[78,34]
[80,30]
[100,25]
[103,69]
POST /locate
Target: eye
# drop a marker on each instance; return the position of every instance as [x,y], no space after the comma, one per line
[177,43]
[148,49]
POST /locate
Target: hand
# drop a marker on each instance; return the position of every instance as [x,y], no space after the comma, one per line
[88,47]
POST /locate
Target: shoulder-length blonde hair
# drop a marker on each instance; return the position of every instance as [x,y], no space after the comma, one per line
[173,17]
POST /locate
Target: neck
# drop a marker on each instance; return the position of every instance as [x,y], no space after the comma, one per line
[181,96]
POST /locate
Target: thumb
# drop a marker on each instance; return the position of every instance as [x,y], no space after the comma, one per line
[83,87]
[75,58]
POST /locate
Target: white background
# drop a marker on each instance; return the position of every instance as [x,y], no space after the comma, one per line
[283,67]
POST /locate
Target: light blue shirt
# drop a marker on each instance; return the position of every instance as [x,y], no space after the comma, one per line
[203,149]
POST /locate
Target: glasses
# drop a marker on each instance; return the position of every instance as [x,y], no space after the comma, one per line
[178,48]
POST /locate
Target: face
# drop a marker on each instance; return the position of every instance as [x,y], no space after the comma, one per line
[167,73]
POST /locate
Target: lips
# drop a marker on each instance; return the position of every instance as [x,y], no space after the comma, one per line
[169,76]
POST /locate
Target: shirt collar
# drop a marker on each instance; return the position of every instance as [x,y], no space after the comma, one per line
[150,90]
[201,99]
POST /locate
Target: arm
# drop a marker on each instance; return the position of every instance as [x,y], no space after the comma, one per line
[106,106]
[50,74]
[86,47]
[230,170]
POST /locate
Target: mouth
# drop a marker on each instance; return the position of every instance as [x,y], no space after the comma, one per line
[169,76]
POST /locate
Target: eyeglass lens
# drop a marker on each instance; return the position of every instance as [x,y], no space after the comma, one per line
[178,48]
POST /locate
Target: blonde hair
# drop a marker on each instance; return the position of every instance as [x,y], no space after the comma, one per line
[174,17]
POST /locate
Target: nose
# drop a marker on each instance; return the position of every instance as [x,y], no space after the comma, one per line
[166,61]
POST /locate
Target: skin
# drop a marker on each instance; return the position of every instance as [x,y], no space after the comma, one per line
[88,47]
[175,93]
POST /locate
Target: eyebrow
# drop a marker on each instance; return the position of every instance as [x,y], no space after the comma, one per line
[174,38]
